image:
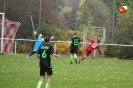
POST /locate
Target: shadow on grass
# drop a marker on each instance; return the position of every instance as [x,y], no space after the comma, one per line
[2,53]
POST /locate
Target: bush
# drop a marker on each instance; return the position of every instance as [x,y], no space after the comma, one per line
[119,52]
[24,48]
[65,49]
[61,47]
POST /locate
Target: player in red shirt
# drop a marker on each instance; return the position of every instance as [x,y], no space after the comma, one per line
[94,45]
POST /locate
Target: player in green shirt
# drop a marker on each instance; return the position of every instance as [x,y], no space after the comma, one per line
[74,42]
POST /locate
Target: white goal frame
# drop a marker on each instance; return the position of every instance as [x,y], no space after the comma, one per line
[104,32]
[2,30]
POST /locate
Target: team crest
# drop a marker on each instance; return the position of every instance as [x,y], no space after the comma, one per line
[123,8]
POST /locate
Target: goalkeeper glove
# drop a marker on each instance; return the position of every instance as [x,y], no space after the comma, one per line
[52,37]
[35,33]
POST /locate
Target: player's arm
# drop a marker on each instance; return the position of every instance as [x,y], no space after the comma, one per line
[52,52]
[56,55]
[35,33]
[38,55]
[70,42]
[52,37]
[89,39]
[100,53]
[80,41]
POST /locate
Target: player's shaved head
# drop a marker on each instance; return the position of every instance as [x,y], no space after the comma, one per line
[98,41]
[46,38]
[75,33]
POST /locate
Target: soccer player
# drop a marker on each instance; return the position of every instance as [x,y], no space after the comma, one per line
[94,45]
[74,42]
[39,41]
[43,53]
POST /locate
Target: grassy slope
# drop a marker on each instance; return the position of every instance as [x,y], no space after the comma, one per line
[17,72]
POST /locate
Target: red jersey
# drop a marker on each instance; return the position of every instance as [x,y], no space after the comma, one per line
[94,45]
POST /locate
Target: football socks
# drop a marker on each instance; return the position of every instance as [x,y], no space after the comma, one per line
[71,57]
[47,85]
[75,56]
[39,84]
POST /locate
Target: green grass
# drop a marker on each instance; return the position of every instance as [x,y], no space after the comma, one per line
[18,72]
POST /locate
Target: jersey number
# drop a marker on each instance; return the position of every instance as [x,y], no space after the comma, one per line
[75,42]
[44,55]
[94,45]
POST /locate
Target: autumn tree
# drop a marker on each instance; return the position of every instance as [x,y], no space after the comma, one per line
[22,10]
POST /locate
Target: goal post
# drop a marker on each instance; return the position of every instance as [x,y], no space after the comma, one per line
[103,33]
[2,16]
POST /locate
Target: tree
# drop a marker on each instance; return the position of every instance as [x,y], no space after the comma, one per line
[22,10]
[123,35]
[124,27]
[96,13]
[50,16]
[65,16]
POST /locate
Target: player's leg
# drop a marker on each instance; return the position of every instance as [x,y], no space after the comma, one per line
[40,82]
[48,82]
[75,55]
[71,58]
[49,73]
[84,56]
[34,51]
[42,74]
[71,55]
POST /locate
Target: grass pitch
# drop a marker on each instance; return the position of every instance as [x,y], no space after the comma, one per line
[18,72]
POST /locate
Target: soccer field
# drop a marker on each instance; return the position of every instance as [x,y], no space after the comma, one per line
[18,72]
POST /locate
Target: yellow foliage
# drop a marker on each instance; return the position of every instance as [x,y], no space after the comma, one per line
[81,49]
[71,32]
[81,3]
[62,47]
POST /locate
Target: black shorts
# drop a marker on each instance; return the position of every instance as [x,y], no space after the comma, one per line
[74,50]
[45,69]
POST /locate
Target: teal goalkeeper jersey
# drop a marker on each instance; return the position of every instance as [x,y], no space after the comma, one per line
[38,43]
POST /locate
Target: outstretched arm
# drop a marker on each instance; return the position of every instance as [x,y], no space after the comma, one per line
[35,33]
[52,38]
[56,55]
[89,39]
[100,53]
[69,43]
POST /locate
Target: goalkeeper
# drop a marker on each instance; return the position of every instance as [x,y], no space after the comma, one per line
[39,41]
[94,45]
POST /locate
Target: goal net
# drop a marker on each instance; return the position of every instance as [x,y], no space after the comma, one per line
[8,35]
